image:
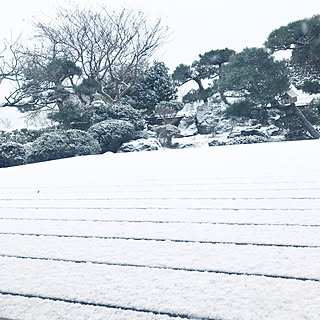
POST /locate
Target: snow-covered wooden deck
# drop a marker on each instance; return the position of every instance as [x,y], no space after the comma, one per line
[216,233]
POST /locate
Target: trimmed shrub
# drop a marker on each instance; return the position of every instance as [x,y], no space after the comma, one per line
[127,113]
[24,135]
[12,154]
[62,144]
[112,133]
[248,140]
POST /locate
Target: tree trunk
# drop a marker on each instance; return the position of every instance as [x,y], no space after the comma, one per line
[221,93]
[305,122]
[201,90]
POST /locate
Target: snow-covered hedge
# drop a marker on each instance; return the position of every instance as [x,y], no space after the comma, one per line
[112,133]
[23,135]
[127,113]
[62,144]
[12,154]
[248,140]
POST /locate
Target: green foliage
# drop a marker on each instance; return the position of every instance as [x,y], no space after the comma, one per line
[247,140]
[87,87]
[241,108]
[75,114]
[153,86]
[302,38]
[62,144]
[182,74]
[293,124]
[254,75]
[57,70]
[216,57]
[127,113]
[45,84]
[23,136]
[196,95]
[12,154]
[208,67]
[112,133]
[71,112]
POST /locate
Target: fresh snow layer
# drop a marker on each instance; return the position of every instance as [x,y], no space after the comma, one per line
[212,233]
[225,296]
[306,236]
[292,262]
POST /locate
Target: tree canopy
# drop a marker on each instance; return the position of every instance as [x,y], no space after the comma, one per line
[255,76]
[208,67]
[152,87]
[82,52]
[302,38]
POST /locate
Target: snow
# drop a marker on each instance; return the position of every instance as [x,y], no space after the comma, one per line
[226,232]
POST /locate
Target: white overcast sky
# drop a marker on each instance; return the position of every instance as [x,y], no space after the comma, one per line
[196,26]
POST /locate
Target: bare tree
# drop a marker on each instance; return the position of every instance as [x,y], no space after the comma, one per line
[81,52]
[8,61]
[110,48]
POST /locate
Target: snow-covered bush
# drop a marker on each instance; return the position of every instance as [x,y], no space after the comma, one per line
[23,135]
[62,144]
[127,113]
[12,154]
[112,133]
[247,140]
[165,134]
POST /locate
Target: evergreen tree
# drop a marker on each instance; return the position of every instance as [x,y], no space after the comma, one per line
[208,67]
[152,87]
[254,75]
[302,38]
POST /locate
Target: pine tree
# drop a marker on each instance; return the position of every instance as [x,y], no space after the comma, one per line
[152,87]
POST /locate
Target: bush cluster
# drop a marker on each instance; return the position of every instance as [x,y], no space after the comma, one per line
[62,144]
[127,113]
[248,140]
[112,133]
[12,154]
[24,135]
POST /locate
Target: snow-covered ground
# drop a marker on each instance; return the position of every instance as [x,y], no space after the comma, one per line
[211,233]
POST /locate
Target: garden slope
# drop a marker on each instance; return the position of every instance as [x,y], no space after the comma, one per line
[213,233]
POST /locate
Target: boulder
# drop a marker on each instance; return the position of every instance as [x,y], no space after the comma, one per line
[215,143]
[194,144]
[188,126]
[208,118]
[225,125]
[145,134]
[150,144]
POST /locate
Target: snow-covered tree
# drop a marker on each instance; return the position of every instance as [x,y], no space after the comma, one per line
[208,67]
[302,38]
[152,86]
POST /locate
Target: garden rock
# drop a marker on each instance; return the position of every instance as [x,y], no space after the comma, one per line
[188,126]
[150,144]
[208,118]
[215,143]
